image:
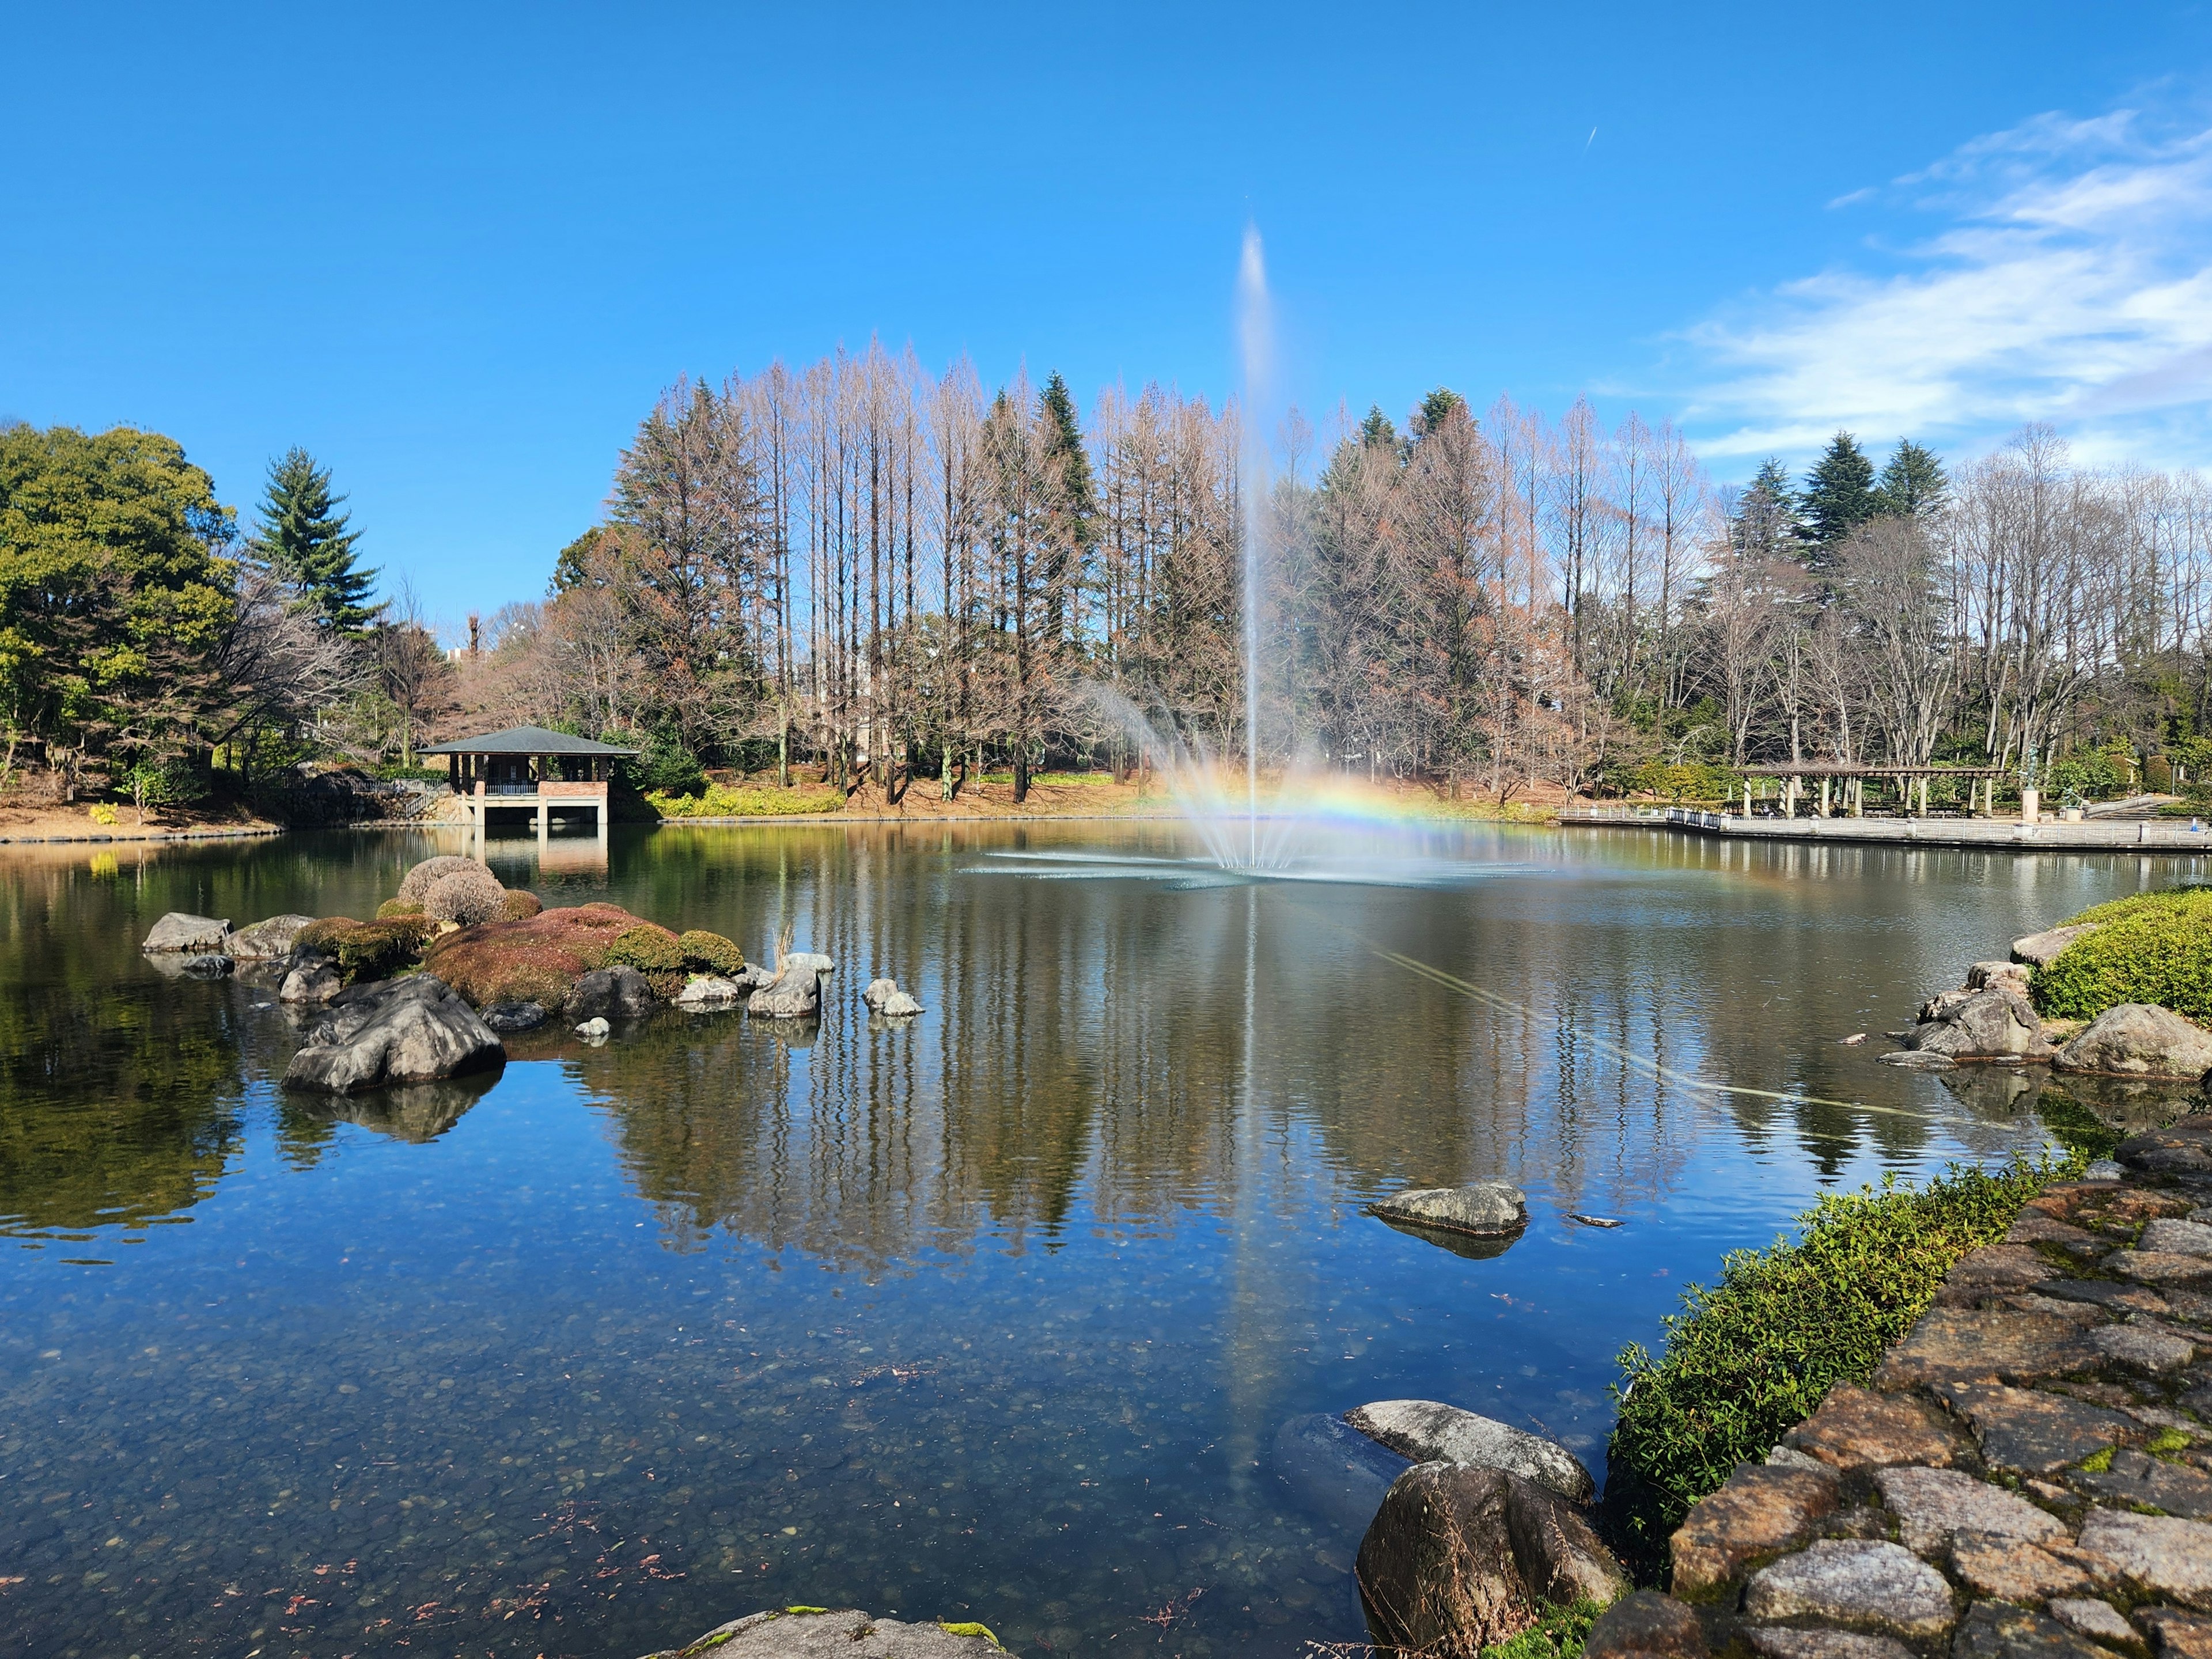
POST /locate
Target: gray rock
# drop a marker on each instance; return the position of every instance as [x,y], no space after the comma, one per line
[265,941]
[2138,1040]
[1780,1642]
[2103,1168]
[2041,949]
[885,998]
[796,994]
[403,1031]
[611,994]
[1987,975]
[2163,1554]
[310,976]
[877,990]
[2087,1616]
[181,930]
[2143,1482]
[814,959]
[214,964]
[1485,1209]
[1646,1623]
[1998,1630]
[1944,1003]
[2178,1238]
[1932,1505]
[708,992]
[1333,1469]
[1873,1585]
[1994,1024]
[594,1030]
[1427,1431]
[2142,1347]
[1914,1060]
[505,1016]
[848,1634]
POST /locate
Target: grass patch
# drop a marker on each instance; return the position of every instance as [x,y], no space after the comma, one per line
[2152,947]
[1748,1358]
[722,801]
[1559,1634]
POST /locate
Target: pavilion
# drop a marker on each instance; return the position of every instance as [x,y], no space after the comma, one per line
[1980,781]
[530,767]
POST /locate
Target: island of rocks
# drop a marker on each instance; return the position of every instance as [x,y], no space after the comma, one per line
[426,987]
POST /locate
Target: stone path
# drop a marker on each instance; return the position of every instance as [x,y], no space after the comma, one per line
[2029,1474]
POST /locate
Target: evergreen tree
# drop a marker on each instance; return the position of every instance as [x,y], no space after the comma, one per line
[1436,409]
[1764,522]
[1064,450]
[305,542]
[1375,431]
[1913,482]
[1839,494]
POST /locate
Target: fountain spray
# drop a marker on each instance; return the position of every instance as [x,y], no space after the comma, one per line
[1255,330]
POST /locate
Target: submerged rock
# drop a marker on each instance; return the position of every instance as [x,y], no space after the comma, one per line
[403,1031]
[1459,1558]
[1482,1209]
[1427,1431]
[310,976]
[805,1632]
[214,964]
[266,941]
[2138,1040]
[612,994]
[594,1030]
[505,1016]
[1333,1469]
[708,992]
[181,930]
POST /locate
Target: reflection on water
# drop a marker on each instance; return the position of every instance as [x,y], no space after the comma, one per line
[997,1316]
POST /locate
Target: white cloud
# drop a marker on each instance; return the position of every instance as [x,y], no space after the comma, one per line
[2069,281]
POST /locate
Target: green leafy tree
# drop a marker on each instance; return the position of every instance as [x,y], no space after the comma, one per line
[1839,493]
[306,541]
[1914,484]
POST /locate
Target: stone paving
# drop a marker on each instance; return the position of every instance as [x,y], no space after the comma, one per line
[2030,1472]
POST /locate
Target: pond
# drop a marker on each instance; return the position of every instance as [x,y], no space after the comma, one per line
[993,1317]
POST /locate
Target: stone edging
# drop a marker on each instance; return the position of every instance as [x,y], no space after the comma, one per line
[2029,1471]
[148,836]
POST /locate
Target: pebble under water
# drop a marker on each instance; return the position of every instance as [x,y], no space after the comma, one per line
[995,1317]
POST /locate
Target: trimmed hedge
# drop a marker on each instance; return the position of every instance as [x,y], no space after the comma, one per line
[648,949]
[721,801]
[1749,1358]
[709,953]
[2152,947]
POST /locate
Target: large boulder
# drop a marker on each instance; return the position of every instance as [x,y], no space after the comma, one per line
[1427,1431]
[796,994]
[1998,1023]
[2138,1040]
[265,941]
[1459,1558]
[1483,1209]
[2041,949]
[1334,1469]
[816,1633]
[403,1031]
[611,994]
[181,930]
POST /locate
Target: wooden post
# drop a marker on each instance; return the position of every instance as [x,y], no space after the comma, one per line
[1824,782]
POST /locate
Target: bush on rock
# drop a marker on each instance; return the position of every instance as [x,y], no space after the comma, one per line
[648,949]
[467,896]
[709,953]
[521,905]
[393,907]
[414,886]
[2153,948]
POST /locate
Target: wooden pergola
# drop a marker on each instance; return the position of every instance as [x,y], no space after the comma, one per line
[529,768]
[1853,774]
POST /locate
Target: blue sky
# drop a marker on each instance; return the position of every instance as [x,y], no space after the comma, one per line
[456,252]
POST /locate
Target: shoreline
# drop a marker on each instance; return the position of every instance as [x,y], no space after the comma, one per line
[1994,834]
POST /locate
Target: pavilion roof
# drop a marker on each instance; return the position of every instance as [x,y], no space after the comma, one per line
[523,740]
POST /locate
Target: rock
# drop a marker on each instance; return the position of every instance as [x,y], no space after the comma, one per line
[1963,1344]
[180,931]
[2171,1237]
[1484,1209]
[1993,1268]
[265,941]
[401,1030]
[594,1030]
[1915,1060]
[2137,1479]
[814,1633]
[505,1016]
[2034,1228]
[1932,1504]
[2099,1620]
[2026,1432]
[796,993]
[2178,1635]
[1780,1642]
[2159,1267]
[310,976]
[1855,1429]
[1995,1629]
[620,993]
[213,965]
[2010,1570]
[1459,1558]
[708,992]
[2161,1554]
[820,964]
[876,991]
[1761,1510]
[2138,1040]
[1995,1024]
[1990,975]
[2103,1168]
[2041,949]
[2142,1347]
[1427,1431]
[899,1005]
[1646,1623]
[1878,1586]
[1939,1006]
[1335,1470]
[2183,1147]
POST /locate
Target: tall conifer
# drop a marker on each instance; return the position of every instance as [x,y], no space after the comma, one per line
[1913,482]
[305,541]
[1839,494]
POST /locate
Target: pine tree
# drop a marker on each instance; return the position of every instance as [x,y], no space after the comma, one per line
[1839,495]
[305,542]
[1764,522]
[1913,482]
[1063,447]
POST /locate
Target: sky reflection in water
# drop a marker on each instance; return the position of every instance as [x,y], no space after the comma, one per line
[993,1317]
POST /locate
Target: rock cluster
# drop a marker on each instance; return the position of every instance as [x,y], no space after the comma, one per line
[885,999]
[403,1030]
[799,1632]
[2029,1473]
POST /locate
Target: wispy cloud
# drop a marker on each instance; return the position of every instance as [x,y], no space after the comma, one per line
[2069,279]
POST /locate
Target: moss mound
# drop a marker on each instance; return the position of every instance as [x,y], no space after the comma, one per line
[521,905]
[369,950]
[1745,1359]
[394,907]
[536,959]
[2153,947]
[709,953]
[648,949]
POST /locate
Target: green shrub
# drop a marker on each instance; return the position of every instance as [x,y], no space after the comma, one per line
[322,934]
[709,953]
[370,950]
[2153,947]
[721,801]
[392,908]
[1748,1358]
[1557,1633]
[649,949]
